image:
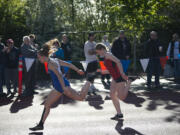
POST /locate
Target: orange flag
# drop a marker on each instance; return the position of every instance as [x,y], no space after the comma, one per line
[103,68]
[46,66]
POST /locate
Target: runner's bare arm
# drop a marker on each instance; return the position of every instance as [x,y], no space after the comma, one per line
[66,64]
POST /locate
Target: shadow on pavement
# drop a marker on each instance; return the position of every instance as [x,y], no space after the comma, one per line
[6,100]
[36,133]
[127,130]
[162,97]
[134,99]
[96,101]
[168,98]
[21,103]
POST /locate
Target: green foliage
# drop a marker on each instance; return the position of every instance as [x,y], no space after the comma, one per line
[47,18]
[12,20]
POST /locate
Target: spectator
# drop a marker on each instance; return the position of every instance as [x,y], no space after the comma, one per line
[36,63]
[2,62]
[106,42]
[121,47]
[173,53]
[91,59]
[153,51]
[108,46]
[11,66]
[32,41]
[66,47]
[28,51]
[59,53]
[67,52]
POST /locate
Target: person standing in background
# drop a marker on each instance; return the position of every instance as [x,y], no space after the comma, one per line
[108,46]
[32,41]
[91,59]
[66,47]
[121,47]
[106,42]
[28,51]
[153,51]
[174,55]
[11,66]
[59,53]
[36,63]
[2,64]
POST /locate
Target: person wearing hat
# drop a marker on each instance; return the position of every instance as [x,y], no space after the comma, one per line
[2,62]
[11,66]
[121,47]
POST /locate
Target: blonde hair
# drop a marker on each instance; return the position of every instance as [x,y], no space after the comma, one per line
[47,48]
[56,41]
[32,36]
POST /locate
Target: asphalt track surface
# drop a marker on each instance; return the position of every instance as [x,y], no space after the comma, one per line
[147,112]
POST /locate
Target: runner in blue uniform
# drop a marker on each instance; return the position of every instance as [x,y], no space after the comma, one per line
[60,83]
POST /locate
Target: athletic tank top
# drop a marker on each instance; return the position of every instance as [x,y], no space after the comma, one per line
[55,60]
[55,80]
[112,68]
[54,77]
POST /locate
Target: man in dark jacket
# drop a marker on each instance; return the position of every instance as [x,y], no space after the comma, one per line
[153,51]
[11,66]
[66,47]
[2,62]
[121,47]
[28,52]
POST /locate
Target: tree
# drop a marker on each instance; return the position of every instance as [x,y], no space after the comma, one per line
[13,20]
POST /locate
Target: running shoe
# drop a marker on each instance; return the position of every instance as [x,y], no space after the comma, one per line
[117,116]
[37,127]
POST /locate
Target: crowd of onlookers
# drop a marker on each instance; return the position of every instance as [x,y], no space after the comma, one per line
[9,63]
[120,47]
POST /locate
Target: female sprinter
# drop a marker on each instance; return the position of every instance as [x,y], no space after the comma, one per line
[120,83]
[60,84]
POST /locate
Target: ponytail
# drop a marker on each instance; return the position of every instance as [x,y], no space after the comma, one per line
[46,49]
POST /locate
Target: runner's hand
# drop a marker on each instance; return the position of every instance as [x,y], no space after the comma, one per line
[125,77]
[80,72]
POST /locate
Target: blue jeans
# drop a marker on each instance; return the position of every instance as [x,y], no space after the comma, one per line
[1,77]
[177,69]
[154,68]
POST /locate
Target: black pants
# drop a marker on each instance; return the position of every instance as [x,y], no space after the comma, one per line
[11,77]
[154,68]
[28,78]
[92,67]
[105,76]
[1,77]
